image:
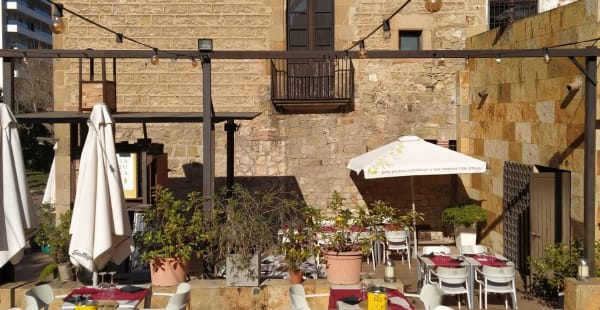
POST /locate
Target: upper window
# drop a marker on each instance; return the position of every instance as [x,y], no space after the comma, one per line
[503,12]
[310,24]
[410,40]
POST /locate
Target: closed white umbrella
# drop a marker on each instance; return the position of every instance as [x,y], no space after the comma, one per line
[50,190]
[100,229]
[410,156]
[17,215]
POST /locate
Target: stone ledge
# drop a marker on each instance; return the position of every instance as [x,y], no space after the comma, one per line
[582,295]
[206,294]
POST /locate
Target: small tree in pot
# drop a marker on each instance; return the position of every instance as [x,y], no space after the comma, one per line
[465,219]
[174,232]
[58,239]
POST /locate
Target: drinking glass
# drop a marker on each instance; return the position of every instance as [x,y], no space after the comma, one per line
[103,285]
[112,286]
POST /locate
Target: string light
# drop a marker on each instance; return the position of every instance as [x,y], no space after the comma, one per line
[498,59]
[362,54]
[57,25]
[433,5]
[194,63]
[154,58]
[546,56]
[467,61]
[387,33]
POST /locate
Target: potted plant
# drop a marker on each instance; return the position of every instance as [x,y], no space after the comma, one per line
[348,238]
[299,242]
[45,213]
[465,219]
[58,239]
[174,232]
[244,227]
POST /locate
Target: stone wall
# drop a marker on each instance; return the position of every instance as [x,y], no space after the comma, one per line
[528,115]
[393,97]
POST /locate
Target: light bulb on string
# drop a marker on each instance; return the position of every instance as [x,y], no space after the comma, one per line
[433,5]
[467,61]
[546,56]
[498,59]
[57,25]
[194,63]
[154,58]
[362,53]
[387,33]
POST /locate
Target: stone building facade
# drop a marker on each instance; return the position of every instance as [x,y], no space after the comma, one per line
[306,151]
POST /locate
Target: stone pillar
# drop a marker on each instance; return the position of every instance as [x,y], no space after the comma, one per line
[63,169]
[582,295]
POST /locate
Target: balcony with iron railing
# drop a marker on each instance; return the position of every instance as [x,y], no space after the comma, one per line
[309,86]
[503,12]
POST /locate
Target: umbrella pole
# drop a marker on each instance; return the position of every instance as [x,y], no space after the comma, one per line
[95,279]
[412,195]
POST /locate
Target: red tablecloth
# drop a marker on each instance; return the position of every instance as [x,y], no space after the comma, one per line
[98,294]
[445,261]
[489,260]
[337,294]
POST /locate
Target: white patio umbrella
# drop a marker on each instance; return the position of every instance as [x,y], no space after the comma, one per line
[17,215]
[410,156]
[100,229]
[50,190]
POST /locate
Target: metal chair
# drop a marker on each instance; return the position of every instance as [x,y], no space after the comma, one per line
[436,249]
[453,281]
[497,280]
[473,249]
[398,240]
[178,300]
[430,296]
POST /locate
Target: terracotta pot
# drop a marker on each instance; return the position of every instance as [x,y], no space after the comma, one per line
[296,276]
[344,267]
[168,271]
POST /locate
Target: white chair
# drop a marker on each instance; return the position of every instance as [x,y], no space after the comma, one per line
[453,281]
[298,297]
[398,240]
[178,300]
[40,297]
[436,249]
[430,296]
[473,249]
[442,307]
[497,280]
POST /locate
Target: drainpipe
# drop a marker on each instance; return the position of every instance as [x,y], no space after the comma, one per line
[589,173]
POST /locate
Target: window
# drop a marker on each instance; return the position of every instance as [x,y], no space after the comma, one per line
[503,12]
[310,24]
[410,40]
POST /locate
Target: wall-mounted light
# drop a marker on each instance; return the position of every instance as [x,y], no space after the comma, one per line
[387,30]
[546,56]
[119,37]
[433,5]
[574,85]
[205,45]
[154,58]
[57,25]
[194,62]
[362,53]
[482,93]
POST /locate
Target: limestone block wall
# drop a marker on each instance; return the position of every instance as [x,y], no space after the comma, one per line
[393,97]
[528,116]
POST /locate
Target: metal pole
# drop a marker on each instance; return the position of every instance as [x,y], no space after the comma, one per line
[207,137]
[230,127]
[589,173]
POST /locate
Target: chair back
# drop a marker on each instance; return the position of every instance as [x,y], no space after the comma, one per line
[452,275]
[181,299]
[396,236]
[40,296]
[499,274]
[431,296]
[298,297]
[473,249]
[428,249]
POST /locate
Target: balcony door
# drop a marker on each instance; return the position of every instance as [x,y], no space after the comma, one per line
[310,26]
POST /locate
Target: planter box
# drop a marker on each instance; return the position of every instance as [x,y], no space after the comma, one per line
[236,276]
[465,235]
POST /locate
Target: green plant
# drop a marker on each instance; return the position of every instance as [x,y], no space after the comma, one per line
[59,239]
[174,228]
[558,262]
[45,213]
[411,219]
[246,223]
[351,227]
[465,214]
[299,241]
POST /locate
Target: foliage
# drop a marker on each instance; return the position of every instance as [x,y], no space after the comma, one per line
[59,238]
[246,223]
[559,262]
[411,219]
[299,241]
[352,228]
[465,214]
[36,155]
[50,270]
[174,228]
[45,213]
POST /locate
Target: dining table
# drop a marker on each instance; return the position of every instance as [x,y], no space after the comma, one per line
[125,297]
[396,300]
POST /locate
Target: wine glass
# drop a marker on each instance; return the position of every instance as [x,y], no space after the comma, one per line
[112,286]
[102,285]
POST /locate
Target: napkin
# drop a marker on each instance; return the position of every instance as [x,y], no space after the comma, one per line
[131,289]
[500,260]
[428,255]
[352,300]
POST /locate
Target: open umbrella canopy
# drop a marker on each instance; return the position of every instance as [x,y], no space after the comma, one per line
[100,229]
[17,216]
[411,155]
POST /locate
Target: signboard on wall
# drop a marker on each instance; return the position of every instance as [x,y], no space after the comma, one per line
[128,170]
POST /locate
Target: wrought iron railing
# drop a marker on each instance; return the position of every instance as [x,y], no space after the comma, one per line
[503,12]
[310,82]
